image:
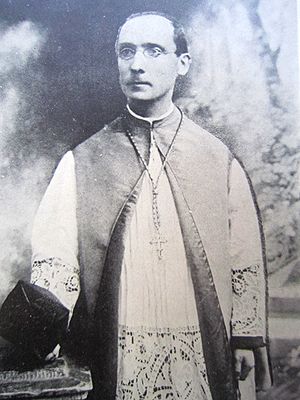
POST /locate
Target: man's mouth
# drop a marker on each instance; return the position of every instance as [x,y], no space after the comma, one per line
[139,83]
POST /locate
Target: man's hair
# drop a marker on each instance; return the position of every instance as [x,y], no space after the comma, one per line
[180,39]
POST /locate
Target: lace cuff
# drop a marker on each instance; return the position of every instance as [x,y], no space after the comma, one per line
[60,278]
[248,306]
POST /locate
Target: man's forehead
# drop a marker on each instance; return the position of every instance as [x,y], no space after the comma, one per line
[148,29]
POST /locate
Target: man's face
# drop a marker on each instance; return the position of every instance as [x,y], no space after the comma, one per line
[147,62]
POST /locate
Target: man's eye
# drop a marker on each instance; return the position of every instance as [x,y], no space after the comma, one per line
[153,51]
[126,53]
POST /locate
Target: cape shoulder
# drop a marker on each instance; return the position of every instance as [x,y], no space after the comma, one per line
[103,136]
[205,138]
[191,133]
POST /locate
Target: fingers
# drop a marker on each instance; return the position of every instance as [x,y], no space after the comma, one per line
[244,363]
[238,367]
[54,354]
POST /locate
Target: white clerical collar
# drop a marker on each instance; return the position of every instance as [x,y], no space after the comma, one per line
[150,120]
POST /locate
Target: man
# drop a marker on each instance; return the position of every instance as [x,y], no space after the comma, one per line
[158,219]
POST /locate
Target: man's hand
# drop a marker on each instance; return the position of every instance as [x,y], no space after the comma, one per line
[243,363]
[54,354]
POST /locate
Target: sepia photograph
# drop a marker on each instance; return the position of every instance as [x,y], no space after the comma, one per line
[150,200]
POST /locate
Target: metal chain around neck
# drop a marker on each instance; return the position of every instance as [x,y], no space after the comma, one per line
[154,183]
[133,142]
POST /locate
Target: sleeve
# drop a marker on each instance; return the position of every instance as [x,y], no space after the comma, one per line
[54,237]
[247,262]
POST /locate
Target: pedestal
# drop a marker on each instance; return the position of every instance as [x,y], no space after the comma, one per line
[62,379]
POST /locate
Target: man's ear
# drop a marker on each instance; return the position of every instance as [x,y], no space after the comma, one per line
[184,62]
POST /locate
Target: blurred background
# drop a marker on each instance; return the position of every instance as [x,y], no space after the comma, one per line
[59,85]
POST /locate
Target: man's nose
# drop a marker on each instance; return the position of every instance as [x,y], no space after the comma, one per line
[138,61]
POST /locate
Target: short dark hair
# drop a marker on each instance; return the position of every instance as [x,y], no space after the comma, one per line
[180,39]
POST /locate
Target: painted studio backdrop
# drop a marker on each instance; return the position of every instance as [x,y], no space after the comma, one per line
[59,85]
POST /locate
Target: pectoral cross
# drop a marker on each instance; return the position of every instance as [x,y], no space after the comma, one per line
[159,248]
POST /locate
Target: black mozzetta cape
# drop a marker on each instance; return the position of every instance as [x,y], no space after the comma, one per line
[108,179]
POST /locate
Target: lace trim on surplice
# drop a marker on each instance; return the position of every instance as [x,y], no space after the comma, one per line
[161,364]
[248,303]
[58,277]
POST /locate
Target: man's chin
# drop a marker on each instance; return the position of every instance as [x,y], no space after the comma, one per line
[140,96]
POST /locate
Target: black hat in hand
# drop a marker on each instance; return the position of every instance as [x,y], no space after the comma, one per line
[34,318]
